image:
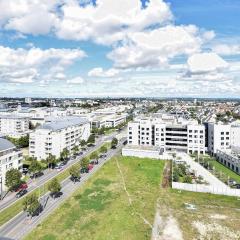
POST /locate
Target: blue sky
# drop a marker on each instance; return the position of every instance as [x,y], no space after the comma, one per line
[77,48]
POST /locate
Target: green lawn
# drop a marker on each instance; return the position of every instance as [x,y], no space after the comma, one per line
[101,209]
[16,208]
[224,171]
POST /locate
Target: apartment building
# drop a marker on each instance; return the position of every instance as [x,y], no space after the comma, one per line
[12,124]
[230,158]
[10,157]
[222,137]
[169,134]
[112,120]
[52,137]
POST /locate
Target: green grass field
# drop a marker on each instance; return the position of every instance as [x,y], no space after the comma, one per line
[102,209]
[16,208]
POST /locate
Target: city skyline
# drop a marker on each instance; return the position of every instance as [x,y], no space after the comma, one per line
[132,48]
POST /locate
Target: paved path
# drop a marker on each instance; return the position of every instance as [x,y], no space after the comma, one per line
[18,227]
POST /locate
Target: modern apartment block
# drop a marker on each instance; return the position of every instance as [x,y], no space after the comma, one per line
[169,134]
[112,120]
[222,137]
[12,124]
[230,158]
[54,136]
[10,157]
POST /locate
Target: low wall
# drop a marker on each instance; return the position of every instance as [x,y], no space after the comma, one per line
[206,189]
[145,154]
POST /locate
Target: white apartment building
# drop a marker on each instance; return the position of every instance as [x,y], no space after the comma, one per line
[222,137]
[112,120]
[10,157]
[230,158]
[169,134]
[12,124]
[54,136]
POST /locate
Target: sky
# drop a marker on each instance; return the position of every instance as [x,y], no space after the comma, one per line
[127,48]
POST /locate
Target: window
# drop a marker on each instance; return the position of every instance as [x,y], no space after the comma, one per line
[227,133]
[201,131]
[157,129]
[222,133]
[222,138]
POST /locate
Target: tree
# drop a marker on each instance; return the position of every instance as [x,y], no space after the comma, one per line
[83,143]
[13,179]
[31,204]
[187,179]
[51,160]
[75,150]
[74,172]
[93,156]
[114,143]
[64,154]
[54,187]
[103,149]
[84,163]
[91,139]
[35,167]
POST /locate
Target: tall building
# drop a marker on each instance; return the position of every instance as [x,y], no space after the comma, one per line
[169,134]
[54,136]
[13,124]
[222,137]
[10,157]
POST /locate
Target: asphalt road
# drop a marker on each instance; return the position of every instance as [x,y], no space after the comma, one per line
[49,174]
[18,227]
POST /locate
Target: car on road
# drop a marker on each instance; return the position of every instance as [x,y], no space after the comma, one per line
[21,193]
[36,175]
[25,170]
[94,162]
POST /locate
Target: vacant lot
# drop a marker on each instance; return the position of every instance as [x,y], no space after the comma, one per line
[125,200]
[117,203]
[215,217]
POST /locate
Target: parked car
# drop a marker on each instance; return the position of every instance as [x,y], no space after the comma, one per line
[237,186]
[36,175]
[21,193]
[22,187]
[25,170]
[90,167]
[94,162]
[84,170]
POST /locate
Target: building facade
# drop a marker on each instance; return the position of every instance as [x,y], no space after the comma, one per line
[222,137]
[54,136]
[11,124]
[230,158]
[10,157]
[170,135]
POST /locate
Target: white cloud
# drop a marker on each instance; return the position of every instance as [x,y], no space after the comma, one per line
[99,72]
[76,80]
[28,65]
[108,21]
[28,16]
[225,49]
[206,62]
[156,47]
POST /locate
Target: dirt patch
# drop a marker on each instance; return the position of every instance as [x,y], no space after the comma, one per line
[166,175]
[166,228]
[215,231]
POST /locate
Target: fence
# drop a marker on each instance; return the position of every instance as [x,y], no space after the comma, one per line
[207,189]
